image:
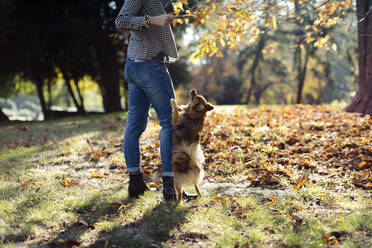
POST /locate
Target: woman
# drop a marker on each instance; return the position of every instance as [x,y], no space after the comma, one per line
[150,46]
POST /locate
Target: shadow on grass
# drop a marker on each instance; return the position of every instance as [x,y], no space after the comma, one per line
[33,133]
[22,150]
[15,162]
[152,229]
[88,214]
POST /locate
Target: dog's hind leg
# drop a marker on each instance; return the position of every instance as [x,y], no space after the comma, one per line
[197,190]
[179,191]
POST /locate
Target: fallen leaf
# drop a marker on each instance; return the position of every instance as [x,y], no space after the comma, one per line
[95,174]
[22,128]
[125,206]
[116,201]
[156,185]
[67,152]
[273,198]
[328,239]
[362,164]
[69,182]
[294,206]
[325,237]
[301,181]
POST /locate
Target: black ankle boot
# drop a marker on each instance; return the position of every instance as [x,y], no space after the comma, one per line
[169,192]
[136,185]
[189,196]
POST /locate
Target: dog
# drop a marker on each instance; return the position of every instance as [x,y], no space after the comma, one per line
[187,155]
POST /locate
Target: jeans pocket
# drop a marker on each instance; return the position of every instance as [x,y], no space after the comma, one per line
[160,66]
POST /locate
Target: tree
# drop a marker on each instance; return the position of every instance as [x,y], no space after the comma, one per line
[254,66]
[362,103]
[90,47]
[27,55]
[240,20]
[231,92]
[6,86]
[73,36]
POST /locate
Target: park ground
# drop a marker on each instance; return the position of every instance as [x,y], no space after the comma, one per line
[276,176]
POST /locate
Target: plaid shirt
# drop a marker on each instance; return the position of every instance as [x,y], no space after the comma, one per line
[145,43]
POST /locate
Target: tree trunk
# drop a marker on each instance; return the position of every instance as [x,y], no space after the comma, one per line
[253,69]
[81,99]
[301,73]
[40,93]
[260,90]
[49,94]
[110,76]
[71,92]
[3,116]
[301,69]
[362,102]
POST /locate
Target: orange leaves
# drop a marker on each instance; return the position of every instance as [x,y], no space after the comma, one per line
[363,178]
[96,154]
[301,181]
[295,207]
[65,181]
[273,198]
[68,181]
[221,198]
[236,208]
[330,239]
[122,205]
[263,177]
[299,1]
[27,184]
[157,185]
[257,144]
[66,152]
[362,164]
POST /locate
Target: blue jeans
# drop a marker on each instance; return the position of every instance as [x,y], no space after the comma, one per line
[149,83]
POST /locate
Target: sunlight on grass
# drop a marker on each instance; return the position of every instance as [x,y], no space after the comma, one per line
[40,207]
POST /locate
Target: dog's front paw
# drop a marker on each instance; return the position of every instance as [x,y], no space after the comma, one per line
[173,103]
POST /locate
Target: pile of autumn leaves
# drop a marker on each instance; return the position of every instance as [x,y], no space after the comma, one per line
[277,146]
[274,145]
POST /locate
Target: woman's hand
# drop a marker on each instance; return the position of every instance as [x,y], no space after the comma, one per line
[162,20]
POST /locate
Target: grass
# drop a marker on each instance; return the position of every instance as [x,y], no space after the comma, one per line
[38,209]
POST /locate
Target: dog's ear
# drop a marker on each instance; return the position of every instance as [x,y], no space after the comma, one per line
[192,93]
[209,107]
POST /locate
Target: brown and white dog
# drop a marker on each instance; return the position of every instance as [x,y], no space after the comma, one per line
[187,156]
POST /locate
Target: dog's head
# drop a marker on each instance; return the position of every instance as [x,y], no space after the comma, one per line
[197,106]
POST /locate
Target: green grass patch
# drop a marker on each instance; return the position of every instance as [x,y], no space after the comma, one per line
[49,199]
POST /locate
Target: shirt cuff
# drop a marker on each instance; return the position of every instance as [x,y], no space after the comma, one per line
[136,22]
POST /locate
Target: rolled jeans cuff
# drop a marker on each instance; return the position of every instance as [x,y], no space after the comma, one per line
[168,174]
[132,170]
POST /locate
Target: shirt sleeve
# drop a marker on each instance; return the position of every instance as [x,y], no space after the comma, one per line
[165,2]
[128,18]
